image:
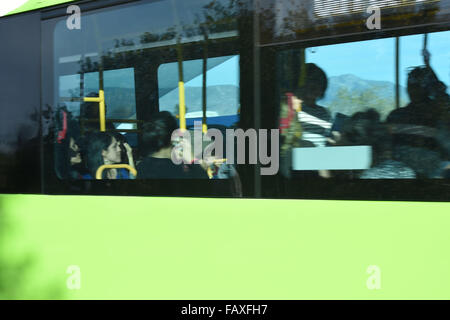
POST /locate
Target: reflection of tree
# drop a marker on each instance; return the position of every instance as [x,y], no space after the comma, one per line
[284,18]
[216,16]
[348,102]
[287,20]
[148,50]
[148,37]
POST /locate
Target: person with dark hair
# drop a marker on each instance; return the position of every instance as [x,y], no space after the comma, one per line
[103,148]
[415,126]
[158,148]
[68,159]
[314,119]
[429,100]
[365,128]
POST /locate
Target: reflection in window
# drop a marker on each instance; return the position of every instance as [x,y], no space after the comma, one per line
[222,90]
[129,61]
[345,95]
[411,55]
[361,75]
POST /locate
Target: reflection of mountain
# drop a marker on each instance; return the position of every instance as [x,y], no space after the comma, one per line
[223,99]
[348,94]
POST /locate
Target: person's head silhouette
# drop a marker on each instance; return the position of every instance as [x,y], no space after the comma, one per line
[314,84]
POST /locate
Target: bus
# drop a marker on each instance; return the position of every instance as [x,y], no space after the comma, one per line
[336,182]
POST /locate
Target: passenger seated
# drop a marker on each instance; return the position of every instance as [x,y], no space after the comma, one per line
[103,148]
[157,149]
[429,100]
[365,128]
[314,119]
[68,160]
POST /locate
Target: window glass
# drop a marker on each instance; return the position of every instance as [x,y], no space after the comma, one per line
[284,21]
[130,53]
[341,114]
[361,75]
[222,90]
[411,55]
[118,86]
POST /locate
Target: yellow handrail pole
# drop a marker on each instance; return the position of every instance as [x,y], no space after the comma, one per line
[98,174]
[181,95]
[101,106]
[102,110]
[182,105]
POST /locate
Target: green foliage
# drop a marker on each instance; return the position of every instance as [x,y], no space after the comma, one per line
[348,102]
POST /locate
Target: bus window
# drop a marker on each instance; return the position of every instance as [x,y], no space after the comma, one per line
[361,75]
[222,92]
[438,48]
[133,65]
[347,110]
[119,90]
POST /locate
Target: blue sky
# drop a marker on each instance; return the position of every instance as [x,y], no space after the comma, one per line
[370,60]
[226,73]
[375,59]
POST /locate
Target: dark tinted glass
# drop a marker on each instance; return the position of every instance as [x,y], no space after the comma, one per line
[132,54]
[363,113]
[19,103]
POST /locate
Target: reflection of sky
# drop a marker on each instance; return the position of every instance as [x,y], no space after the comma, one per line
[439,47]
[375,59]
[226,73]
[372,59]
[120,78]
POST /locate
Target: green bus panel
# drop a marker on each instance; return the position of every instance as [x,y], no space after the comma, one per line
[36,4]
[188,248]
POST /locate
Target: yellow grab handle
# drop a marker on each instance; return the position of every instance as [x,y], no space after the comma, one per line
[182,105]
[98,174]
[101,106]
